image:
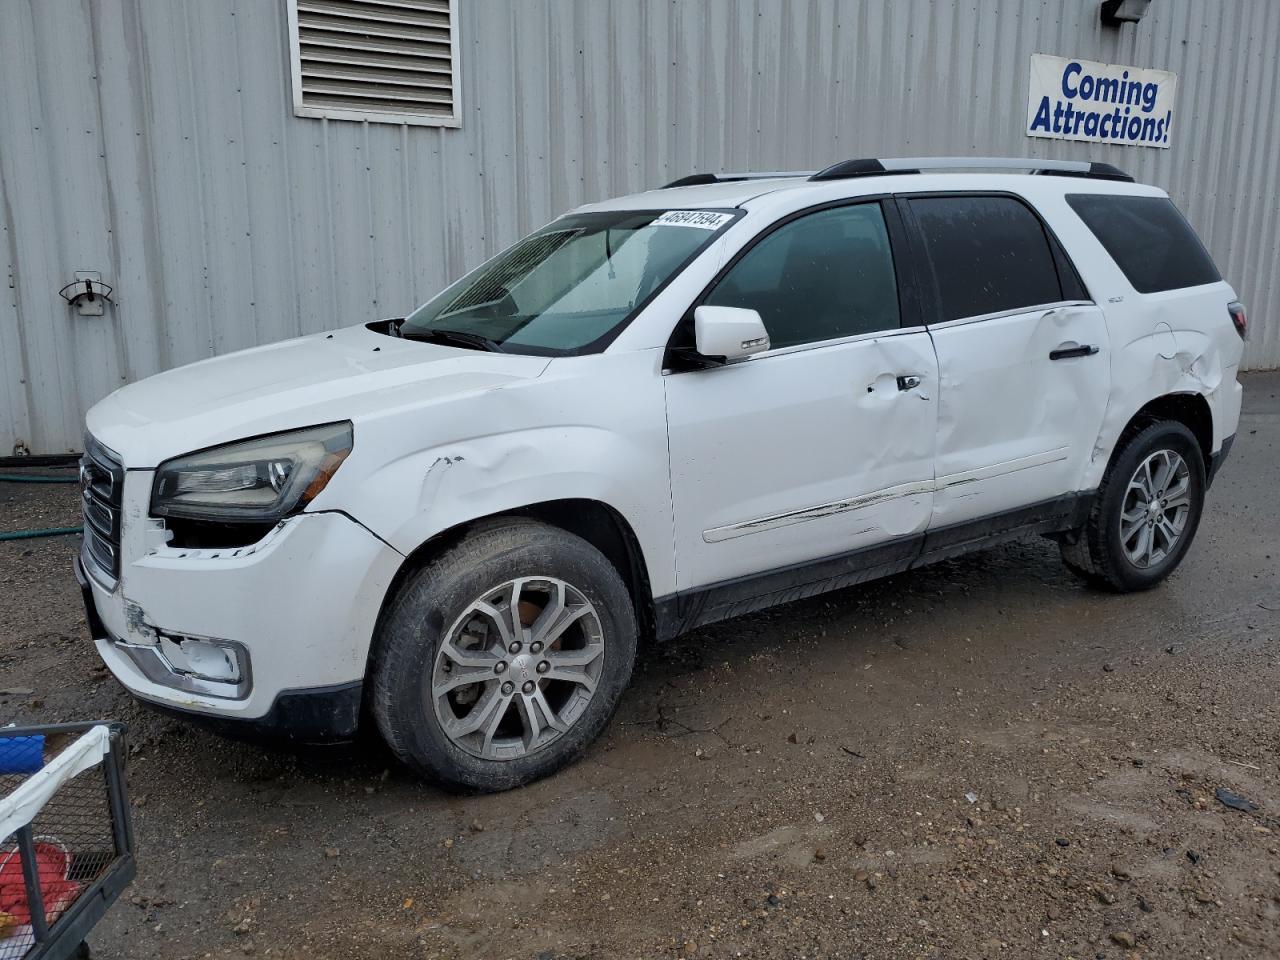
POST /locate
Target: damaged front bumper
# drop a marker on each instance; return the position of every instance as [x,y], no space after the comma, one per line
[271,639]
[308,715]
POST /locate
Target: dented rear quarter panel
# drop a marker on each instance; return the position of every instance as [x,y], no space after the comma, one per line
[1172,342]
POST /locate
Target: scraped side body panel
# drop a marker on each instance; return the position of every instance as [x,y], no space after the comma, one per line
[589,428]
[800,454]
[1014,426]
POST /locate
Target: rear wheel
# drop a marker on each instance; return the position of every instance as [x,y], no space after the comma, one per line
[1146,512]
[502,660]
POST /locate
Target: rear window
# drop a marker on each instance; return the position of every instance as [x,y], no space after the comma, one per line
[988,254]
[1148,239]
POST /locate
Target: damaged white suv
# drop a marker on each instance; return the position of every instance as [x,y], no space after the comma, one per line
[654,413]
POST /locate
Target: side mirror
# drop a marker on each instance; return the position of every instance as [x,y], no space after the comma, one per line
[731,333]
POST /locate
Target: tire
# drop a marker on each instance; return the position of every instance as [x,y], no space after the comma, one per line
[445,626]
[1099,553]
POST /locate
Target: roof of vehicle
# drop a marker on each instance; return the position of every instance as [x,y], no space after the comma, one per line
[893,175]
[731,193]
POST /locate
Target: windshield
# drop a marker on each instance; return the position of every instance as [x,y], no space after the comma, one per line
[568,287]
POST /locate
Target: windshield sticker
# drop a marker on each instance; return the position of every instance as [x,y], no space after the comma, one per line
[701,219]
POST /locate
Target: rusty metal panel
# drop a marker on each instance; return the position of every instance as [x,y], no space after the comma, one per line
[155,141]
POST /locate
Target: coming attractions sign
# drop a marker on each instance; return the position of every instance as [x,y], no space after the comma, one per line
[1100,102]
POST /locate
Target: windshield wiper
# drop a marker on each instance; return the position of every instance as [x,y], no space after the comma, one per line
[459,338]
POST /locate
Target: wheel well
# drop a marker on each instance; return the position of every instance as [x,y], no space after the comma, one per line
[608,531]
[597,523]
[1189,409]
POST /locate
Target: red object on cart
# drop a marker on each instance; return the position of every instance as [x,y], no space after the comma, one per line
[53,864]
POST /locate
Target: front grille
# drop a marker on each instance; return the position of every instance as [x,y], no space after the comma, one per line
[101,489]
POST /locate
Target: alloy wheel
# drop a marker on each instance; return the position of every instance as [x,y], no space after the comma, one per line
[1157,505]
[518,668]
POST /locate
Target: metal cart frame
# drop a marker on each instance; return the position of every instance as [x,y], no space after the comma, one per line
[64,937]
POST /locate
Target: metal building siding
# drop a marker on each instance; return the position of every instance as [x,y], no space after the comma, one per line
[155,141]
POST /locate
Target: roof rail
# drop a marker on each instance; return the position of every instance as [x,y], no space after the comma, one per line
[870,167]
[700,179]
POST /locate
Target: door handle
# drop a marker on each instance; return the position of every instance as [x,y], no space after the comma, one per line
[908,382]
[1063,353]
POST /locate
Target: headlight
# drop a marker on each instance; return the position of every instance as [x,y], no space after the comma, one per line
[252,481]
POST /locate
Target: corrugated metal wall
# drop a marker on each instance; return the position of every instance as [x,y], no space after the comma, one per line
[154,141]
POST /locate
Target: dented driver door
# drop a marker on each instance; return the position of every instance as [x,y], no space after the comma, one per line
[783,459]
[822,447]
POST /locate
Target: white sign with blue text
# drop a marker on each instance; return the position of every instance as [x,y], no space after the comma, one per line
[1101,102]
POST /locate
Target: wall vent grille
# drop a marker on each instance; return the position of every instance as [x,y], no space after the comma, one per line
[390,61]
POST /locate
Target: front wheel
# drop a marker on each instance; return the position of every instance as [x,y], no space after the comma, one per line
[1146,512]
[503,659]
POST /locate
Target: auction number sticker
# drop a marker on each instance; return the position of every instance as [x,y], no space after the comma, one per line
[701,219]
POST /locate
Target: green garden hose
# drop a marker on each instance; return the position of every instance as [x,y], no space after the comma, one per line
[46,532]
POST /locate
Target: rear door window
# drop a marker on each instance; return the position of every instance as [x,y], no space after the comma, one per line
[988,254]
[1150,241]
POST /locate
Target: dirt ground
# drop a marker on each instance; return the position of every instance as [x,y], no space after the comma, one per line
[793,784]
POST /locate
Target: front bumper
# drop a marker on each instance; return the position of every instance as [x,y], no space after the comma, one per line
[299,610]
[310,715]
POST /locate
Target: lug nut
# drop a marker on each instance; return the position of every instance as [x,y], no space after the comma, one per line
[500,666]
[515,647]
[528,686]
[535,647]
[543,667]
[507,688]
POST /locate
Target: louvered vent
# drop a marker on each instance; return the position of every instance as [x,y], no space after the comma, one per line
[361,57]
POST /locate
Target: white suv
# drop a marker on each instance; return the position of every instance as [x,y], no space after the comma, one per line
[655,413]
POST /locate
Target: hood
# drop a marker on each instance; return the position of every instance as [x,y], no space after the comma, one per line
[349,374]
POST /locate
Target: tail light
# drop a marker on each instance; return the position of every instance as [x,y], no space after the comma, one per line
[1238,319]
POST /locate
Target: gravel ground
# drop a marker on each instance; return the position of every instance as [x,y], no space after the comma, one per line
[981,759]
